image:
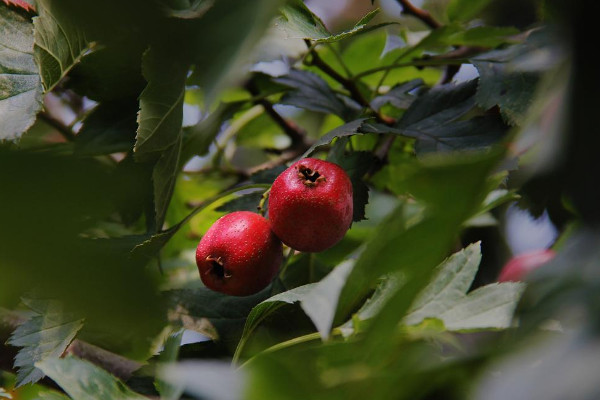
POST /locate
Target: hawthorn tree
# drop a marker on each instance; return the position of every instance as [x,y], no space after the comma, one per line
[128,128]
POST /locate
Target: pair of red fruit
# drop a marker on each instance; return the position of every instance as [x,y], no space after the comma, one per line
[310,210]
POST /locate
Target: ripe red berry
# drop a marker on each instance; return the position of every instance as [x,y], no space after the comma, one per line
[519,266]
[310,205]
[239,255]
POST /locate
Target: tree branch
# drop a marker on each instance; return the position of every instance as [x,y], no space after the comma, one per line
[409,9]
[297,136]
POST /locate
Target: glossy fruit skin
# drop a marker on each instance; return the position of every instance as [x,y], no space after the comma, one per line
[239,255]
[310,205]
[517,268]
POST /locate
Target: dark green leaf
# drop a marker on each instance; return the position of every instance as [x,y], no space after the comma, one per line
[444,103]
[161,105]
[356,165]
[59,43]
[476,133]
[20,87]
[399,96]
[81,378]
[483,36]
[349,129]
[234,28]
[245,202]
[266,307]
[164,177]
[193,308]
[300,23]
[109,128]
[311,92]
[465,10]
[45,335]
[267,175]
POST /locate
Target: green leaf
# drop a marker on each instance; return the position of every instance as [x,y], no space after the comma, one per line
[45,335]
[267,175]
[489,307]
[476,133]
[164,176]
[321,302]
[20,87]
[311,92]
[465,10]
[161,104]
[349,129]
[299,22]
[388,286]
[483,36]
[399,95]
[59,44]
[356,165]
[451,188]
[193,308]
[509,77]
[109,128]
[81,379]
[448,286]
[234,28]
[268,306]
[246,202]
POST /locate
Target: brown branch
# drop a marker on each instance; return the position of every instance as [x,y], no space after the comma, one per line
[409,9]
[297,136]
[347,83]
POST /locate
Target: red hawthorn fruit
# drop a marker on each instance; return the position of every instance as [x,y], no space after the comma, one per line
[20,4]
[517,268]
[310,205]
[239,255]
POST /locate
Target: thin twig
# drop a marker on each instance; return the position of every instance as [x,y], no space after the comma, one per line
[295,134]
[409,9]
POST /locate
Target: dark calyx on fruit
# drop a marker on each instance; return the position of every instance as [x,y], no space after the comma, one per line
[309,177]
[217,268]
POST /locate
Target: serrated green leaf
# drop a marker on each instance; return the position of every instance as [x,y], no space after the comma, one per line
[484,36]
[267,175]
[59,44]
[311,92]
[321,302]
[299,22]
[448,286]
[44,336]
[164,176]
[349,129]
[109,128]
[82,380]
[489,307]
[508,77]
[161,105]
[20,86]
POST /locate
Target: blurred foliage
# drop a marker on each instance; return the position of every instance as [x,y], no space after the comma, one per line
[128,128]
